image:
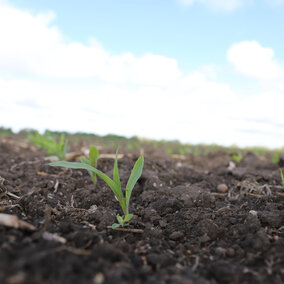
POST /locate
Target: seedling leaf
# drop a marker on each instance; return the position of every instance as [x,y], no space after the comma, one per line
[84,160]
[119,219]
[115,225]
[62,147]
[135,175]
[116,178]
[87,162]
[128,217]
[282,177]
[93,156]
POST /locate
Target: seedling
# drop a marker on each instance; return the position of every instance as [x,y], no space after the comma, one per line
[282,177]
[237,157]
[50,145]
[93,161]
[114,184]
[275,158]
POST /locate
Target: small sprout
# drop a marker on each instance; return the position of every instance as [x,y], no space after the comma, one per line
[62,147]
[114,184]
[123,222]
[93,161]
[49,144]
[282,177]
[237,157]
[275,158]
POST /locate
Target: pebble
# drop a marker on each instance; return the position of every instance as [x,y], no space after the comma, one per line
[222,187]
[231,166]
[253,212]
[220,251]
[176,235]
[99,278]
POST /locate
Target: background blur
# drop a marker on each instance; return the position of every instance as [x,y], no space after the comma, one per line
[200,71]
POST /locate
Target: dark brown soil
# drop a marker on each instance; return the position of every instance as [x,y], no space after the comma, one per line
[192,230]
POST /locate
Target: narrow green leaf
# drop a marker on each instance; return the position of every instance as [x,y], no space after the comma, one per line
[87,162]
[62,147]
[116,178]
[62,141]
[282,177]
[135,175]
[115,225]
[113,186]
[93,156]
[128,217]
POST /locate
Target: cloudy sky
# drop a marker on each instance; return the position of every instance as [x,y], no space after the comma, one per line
[200,71]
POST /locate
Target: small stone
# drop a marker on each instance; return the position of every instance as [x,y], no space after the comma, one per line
[231,166]
[178,164]
[222,187]
[176,235]
[253,212]
[93,209]
[99,278]
[220,251]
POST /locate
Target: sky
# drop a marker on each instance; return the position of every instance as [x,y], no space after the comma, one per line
[198,71]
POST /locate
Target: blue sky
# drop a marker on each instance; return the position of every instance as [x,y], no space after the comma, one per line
[202,61]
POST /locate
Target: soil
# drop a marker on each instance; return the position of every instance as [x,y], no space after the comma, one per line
[197,220]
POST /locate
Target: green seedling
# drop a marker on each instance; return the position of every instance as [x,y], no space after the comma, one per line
[282,177]
[93,161]
[62,148]
[275,158]
[114,184]
[50,145]
[237,157]
[122,221]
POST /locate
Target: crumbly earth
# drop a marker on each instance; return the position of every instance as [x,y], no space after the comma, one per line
[199,221]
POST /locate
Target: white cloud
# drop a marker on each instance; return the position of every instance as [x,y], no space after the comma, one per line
[251,59]
[220,5]
[47,82]
[31,45]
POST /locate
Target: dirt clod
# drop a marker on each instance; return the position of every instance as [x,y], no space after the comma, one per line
[176,235]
